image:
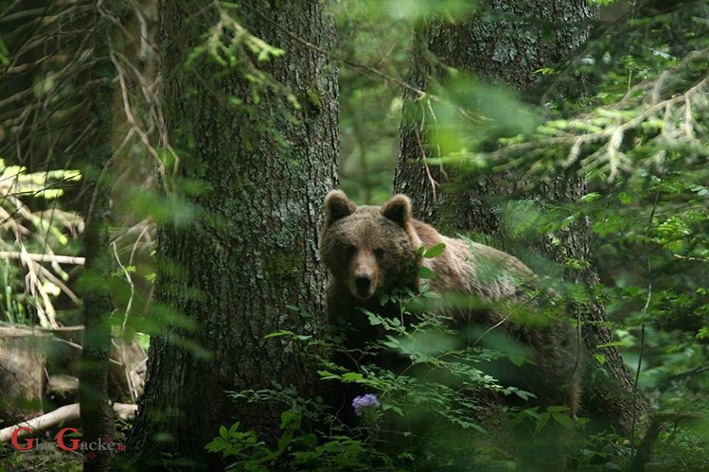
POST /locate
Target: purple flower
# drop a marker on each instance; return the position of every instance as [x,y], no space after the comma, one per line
[365,401]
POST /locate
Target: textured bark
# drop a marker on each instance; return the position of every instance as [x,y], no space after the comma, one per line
[95,409]
[505,43]
[251,251]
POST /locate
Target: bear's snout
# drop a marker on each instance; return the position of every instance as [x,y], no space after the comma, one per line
[363,286]
[364,278]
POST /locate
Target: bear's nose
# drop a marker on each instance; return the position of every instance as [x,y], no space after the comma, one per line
[362,284]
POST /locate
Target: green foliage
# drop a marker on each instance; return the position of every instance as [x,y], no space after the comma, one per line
[339,453]
[465,113]
[430,413]
[641,143]
[229,53]
[245,448]
[297,447]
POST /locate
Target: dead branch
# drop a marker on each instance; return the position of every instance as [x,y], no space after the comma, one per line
[64,415]
[43,257]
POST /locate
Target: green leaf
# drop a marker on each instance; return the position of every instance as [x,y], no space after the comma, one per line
[524,395]
[263,55]
[327,375]
[310,440]
[426,273]
[393,408]
[703,333]
[374,320]
[563,419]
[352,377]
[434,251]
[542,422]
[590,197]
[283,332]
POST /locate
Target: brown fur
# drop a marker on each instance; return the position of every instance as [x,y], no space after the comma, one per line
[370,250]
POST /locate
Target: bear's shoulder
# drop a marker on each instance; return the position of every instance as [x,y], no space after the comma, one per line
[467,266]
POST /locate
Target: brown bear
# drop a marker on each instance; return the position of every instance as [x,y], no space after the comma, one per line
[372,250]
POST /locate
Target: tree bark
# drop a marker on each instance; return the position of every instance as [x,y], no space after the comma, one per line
[249,254]
[505,43]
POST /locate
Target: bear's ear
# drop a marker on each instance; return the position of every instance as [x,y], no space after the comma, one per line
[337,206]
[398,209]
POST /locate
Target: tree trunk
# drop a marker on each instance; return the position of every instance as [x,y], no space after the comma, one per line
[505,43]
[249,253]
[95,409]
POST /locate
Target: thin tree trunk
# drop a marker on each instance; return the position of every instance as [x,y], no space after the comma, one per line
[505,43]
[249,255]
[95,409]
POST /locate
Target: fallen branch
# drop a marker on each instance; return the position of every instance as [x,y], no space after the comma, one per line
[44,257]
[63,415]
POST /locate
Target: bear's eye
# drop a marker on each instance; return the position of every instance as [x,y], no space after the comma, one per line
[350,249]
[379,252]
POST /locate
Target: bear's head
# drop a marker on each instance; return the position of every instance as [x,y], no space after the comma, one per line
[369,249]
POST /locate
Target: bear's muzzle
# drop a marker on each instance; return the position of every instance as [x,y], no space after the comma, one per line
[363,286]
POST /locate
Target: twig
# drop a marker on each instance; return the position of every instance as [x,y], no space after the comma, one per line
[126,314]
[635,452]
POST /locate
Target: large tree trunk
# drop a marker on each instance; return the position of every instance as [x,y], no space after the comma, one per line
[505,43]
[250,252]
